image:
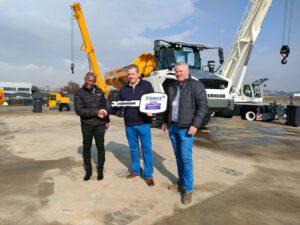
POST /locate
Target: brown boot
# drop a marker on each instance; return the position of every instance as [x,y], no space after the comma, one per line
[187,198]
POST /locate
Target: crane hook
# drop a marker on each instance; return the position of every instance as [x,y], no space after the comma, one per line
[284,52]
[72,67]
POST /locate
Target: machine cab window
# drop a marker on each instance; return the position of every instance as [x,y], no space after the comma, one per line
[247,91]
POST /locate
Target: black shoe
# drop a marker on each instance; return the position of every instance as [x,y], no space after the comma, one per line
[87,176]
[100,175]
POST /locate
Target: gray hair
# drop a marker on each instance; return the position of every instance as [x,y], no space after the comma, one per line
[133,66]
[182,64]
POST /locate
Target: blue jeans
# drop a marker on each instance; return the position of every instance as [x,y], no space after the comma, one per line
[182,145]
[133,134]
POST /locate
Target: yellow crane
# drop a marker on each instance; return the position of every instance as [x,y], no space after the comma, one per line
[87,45]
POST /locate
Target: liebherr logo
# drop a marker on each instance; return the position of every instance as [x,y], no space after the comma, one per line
[215,95]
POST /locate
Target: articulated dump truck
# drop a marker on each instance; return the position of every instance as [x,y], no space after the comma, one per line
[158,69]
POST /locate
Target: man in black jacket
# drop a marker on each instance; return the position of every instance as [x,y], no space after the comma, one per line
[90,105]
[187,107]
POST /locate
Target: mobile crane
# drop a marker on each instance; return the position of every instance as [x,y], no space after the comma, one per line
[87,46]
[248,97]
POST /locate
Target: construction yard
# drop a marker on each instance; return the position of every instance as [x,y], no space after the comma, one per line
[245,173]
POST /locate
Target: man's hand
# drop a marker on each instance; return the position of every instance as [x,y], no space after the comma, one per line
[164,127]
[192,130]
[149,114]
[106,125]
[102,113]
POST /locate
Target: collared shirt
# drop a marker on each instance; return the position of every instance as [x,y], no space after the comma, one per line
[175,106]
[133,85]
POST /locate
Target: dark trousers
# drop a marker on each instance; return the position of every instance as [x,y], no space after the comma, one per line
[88,133]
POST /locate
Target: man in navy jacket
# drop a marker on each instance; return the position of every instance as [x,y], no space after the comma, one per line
[137,124]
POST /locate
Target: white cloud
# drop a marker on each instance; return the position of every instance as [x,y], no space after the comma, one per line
[35,35]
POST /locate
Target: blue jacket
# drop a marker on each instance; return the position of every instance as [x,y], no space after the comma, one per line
[132,115]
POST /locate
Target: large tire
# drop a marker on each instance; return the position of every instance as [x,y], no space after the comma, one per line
[157,120]
[111,97]
[64,107]
[206,120]
[250,115]
[120,112]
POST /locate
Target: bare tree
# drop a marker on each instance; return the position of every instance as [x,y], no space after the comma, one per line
[70,88]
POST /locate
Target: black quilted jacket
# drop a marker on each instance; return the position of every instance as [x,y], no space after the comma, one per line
[87,104]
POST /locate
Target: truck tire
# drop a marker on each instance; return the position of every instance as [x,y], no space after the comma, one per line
[206,120]
[157,120]
[64,108]
[111,97]
[120,112]
[250,115]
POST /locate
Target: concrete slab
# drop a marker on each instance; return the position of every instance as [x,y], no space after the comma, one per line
[245,173]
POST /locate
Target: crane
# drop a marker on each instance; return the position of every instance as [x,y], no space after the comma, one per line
[248,99]
[235,66]
[87,46]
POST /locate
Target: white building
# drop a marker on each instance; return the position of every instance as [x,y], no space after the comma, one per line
[15,87]
[297,94]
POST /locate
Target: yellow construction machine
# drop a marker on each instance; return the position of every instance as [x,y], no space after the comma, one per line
[59,101]
[1,96]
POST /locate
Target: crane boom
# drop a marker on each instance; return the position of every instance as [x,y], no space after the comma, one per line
[87,45]
[236,64]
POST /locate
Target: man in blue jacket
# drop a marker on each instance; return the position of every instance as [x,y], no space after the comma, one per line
[137,124]
[186,109]
[90,105]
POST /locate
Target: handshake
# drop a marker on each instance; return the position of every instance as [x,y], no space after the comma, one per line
[102,113]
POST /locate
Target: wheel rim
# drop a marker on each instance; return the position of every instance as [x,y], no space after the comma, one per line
[250,116]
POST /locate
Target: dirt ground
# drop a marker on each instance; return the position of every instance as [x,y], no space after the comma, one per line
[245,173]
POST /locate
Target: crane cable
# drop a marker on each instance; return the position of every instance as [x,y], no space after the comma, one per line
[72,43]
[285,49]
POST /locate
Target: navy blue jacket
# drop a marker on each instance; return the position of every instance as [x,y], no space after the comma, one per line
[132,115]
[87,104]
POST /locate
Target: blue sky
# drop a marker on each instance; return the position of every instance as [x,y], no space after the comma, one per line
[35,36]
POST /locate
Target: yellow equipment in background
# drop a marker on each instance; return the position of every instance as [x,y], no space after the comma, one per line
[118,77]
[59,101]
[87,46]
[1,96]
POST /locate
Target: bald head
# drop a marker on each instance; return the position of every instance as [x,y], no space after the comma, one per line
[90,80]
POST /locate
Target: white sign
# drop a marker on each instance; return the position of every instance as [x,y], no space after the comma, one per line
[153,103]
[149,103]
